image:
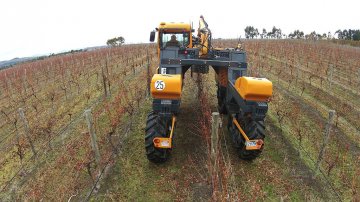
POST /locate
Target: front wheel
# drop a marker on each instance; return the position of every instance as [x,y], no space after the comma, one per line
[254,130]
[221,96]
[156,126]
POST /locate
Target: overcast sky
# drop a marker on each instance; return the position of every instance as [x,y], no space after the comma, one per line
[34,27]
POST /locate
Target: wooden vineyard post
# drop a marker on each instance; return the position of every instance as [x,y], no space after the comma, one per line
[104,79]
[91,128]
[133,66]
[148,74]
[24,81]
[330,78]
[326,138]
[359,80]
[27,129]
[214,145]
[108,75]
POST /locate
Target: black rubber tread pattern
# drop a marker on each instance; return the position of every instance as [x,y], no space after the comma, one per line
[155,127]
[254,130]
[221,101]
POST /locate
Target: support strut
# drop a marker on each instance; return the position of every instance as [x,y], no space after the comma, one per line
[250,144]
[166,142]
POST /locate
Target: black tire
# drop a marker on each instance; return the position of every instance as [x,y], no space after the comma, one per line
[254,130]
[221,96]
[156,127]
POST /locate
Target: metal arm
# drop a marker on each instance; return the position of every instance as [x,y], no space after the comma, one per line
[204,34]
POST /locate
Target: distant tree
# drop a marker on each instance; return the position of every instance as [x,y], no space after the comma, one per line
[248,31]
[318,36]
[278,33]
[339,34]
[251,32]
[270,35]
[313,36]
[356,35]
[256,33]
[349,34]
[346,35]
[297,34]
[275,33]
[263,34]
[329,35]
[117,41]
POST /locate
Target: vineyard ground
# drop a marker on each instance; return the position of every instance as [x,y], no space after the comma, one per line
[277,174]
[309,78]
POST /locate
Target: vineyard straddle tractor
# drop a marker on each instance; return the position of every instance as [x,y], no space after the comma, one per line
[244,99]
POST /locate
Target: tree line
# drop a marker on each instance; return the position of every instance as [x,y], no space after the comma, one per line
[117,41]
[276,33]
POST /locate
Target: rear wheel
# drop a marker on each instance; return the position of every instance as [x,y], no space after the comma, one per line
[221,96]
[156,126]
[253,129]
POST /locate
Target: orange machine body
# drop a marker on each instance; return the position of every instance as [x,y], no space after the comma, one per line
[166,86]
[254,89]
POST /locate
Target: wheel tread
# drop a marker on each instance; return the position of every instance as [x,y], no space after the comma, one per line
[254,130]
[155,127]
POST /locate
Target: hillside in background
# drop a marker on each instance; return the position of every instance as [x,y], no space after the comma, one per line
[12,62]
[9,63]
[46,147]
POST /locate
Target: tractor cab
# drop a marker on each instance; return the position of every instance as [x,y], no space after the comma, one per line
[173,35]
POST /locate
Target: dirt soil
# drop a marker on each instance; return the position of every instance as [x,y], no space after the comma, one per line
[278,174]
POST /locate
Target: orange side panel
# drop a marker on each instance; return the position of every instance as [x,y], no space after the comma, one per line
[166,86]
[254,89]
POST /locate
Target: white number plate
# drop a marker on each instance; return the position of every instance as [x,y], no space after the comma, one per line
[166,102]
[165,143]
[159,85]
[250,144]
[253,144]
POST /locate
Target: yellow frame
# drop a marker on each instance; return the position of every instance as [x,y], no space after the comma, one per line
[169,139]
[259,142]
